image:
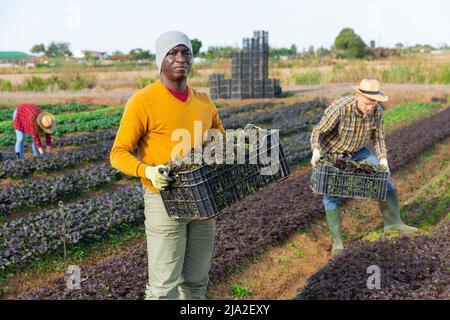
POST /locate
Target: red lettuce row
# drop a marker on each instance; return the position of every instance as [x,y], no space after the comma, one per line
[410,268]
[28,238]
[54,189]
[61,160]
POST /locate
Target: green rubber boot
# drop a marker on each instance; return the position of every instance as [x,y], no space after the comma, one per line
[391,214]
[334,224]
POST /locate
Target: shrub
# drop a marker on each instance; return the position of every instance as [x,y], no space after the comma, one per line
[56,83]
[72,82]
[445,74]
[349,45]
[78,82]
[34,84]
[307,77]
[5,85]
[142,82]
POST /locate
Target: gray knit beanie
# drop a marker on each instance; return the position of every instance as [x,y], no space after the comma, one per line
[166,42]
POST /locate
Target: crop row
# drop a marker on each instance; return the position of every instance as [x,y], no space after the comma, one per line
[245,229]
[87,138]
[411,268]
[74,140]
[261,106]
[245,109]
[105,118]
[83,116]
[267,115]
[276,117]
[6,113]
[296,147]
[64,159]
[87,115]
[27,238]
[56,109]
[105,121]
[7,155]
[54,189]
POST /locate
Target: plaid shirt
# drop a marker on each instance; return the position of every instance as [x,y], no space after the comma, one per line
[25,121]
[343,130]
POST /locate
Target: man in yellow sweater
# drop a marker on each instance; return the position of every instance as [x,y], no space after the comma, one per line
[179,250]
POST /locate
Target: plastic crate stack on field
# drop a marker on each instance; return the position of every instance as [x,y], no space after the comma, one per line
[219,86]
[249,72]
[214,84]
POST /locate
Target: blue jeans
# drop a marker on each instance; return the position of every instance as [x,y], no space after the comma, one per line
[364,153]
[20,139]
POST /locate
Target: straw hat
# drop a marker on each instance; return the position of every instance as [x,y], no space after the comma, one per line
[371,90]
[46,121]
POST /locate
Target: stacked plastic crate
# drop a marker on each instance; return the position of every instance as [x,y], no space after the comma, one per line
[249,72]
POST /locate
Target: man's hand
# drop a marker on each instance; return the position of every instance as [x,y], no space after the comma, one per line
[159,181]
[384,162]
[315,157]
[48,149]
[41,151]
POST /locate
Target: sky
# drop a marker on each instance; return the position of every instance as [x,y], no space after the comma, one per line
[123,25]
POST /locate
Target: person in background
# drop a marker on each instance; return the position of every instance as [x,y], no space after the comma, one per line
[344,133]
[29,119]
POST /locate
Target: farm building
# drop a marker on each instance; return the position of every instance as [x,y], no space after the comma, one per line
[14,58]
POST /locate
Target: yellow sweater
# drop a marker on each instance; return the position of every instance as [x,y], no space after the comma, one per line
[149,118]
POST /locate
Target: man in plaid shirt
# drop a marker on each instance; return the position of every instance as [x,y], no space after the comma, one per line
[29,119]
[344,132]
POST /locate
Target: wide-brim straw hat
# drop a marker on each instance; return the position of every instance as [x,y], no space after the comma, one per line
[46,121]
[371,90]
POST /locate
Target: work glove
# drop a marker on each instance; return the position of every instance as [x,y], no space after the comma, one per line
[384,162]
[315,157]
[158,175]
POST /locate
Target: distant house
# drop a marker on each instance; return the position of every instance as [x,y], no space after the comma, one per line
[79,54]
[15,58]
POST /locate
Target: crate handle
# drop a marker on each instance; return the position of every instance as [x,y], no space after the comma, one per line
[251,125]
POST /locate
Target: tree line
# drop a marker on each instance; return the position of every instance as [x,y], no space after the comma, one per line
[348,44]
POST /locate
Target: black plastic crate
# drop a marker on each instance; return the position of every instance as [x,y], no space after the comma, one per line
[328,180]
[203,193]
